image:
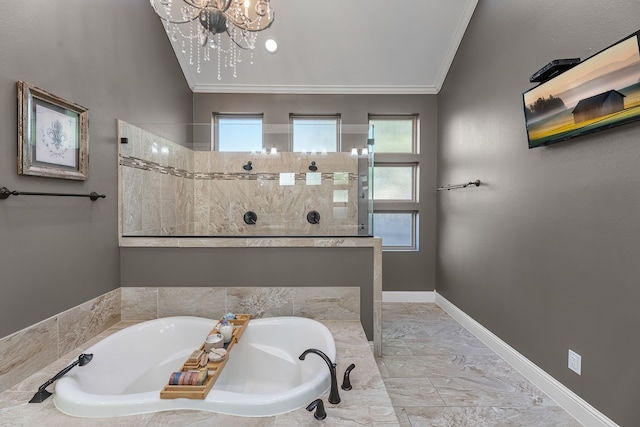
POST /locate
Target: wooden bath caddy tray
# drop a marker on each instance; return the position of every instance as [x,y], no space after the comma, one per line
[214,368]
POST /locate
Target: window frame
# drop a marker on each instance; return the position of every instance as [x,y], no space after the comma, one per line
[390,159]
[337,117]
[414,181]
[415,122]
[215,133]
[414,230]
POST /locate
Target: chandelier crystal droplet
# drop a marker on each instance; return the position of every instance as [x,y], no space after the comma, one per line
[201,23]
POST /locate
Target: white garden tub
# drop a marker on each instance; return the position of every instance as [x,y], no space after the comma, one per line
[263,376]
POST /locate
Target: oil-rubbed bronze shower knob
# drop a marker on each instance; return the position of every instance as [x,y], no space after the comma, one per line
[250,217]
[313,217]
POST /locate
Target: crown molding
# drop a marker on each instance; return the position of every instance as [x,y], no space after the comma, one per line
[316,89]
[455,43]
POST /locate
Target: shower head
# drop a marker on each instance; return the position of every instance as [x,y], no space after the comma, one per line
[42,393]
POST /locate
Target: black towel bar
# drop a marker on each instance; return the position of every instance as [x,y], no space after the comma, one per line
[5,193]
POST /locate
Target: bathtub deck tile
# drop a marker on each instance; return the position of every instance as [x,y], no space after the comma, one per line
[367,404]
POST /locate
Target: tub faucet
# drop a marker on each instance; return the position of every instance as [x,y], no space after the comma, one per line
[334,397]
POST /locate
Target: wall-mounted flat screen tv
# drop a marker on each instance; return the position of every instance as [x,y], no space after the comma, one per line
[600,92]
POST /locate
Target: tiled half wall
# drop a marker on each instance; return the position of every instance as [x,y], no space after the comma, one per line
[33,348]
[315,303]
[169,190]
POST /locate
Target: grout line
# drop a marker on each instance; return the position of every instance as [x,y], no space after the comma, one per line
[444,402]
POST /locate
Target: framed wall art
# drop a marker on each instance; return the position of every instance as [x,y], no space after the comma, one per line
[52,135]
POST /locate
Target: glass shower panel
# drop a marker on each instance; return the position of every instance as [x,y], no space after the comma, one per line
[171,185]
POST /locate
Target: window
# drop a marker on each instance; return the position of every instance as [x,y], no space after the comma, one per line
[237,132]
[397,229]
[395,180]
[394,134]
[315,133]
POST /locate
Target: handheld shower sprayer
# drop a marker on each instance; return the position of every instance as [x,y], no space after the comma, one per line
[42,394]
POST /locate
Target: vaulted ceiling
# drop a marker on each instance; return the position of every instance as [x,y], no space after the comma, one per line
[345,46]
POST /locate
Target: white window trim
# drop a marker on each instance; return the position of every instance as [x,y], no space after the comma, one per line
[414,246]
[388,159]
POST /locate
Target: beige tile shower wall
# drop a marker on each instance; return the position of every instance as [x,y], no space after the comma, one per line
[31,349]
[324,303]
[170,190]
[157,185]
[224,192]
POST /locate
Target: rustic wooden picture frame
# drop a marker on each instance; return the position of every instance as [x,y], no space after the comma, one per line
[53,139]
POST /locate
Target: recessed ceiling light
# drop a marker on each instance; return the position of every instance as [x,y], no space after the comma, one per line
[271,45]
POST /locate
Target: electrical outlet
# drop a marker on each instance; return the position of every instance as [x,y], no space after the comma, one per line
[575,362]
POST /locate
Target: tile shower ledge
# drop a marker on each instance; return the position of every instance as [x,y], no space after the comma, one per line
[368,403]
[226,242]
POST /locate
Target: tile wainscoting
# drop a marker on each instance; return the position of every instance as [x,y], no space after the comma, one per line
[315,303]
[31,349]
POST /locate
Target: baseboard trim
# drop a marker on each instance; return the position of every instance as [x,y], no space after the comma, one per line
[408,296]
[571,402]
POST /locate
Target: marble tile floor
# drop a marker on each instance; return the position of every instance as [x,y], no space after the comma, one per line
[367,404]
[433,373]
[439,374]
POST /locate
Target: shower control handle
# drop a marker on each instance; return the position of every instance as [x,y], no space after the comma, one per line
[313,217]
[250,218]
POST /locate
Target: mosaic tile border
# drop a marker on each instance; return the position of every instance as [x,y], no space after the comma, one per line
[147,165]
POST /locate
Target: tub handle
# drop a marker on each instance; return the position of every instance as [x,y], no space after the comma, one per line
[346,382]
[318,405]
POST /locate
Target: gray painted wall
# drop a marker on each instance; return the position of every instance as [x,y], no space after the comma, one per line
[56,253]
[254,267]
[401,271]
[545,253]
[59,252]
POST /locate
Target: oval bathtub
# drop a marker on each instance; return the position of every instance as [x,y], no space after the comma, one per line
[263,376]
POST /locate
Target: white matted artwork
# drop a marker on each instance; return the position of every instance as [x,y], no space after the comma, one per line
[56,137]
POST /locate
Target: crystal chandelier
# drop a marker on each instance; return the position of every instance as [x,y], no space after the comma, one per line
[200,24]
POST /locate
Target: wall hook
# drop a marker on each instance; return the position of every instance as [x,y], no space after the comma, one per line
[313,167]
